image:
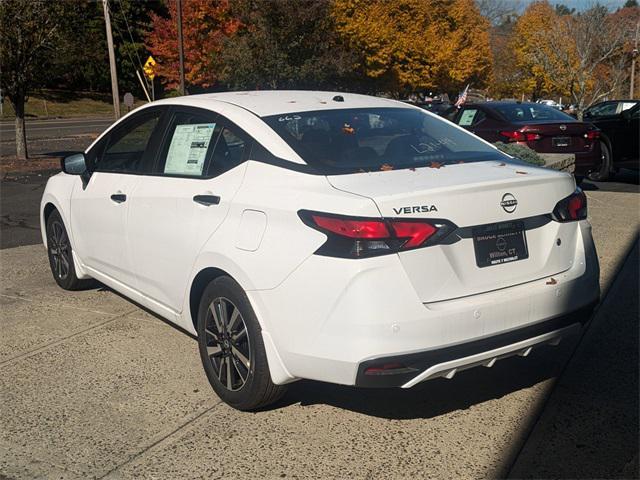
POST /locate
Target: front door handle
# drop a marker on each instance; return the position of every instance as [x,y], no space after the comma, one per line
[119,197]
[207,200]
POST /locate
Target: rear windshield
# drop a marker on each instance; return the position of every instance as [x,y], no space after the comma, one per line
[531,112]
[372,139]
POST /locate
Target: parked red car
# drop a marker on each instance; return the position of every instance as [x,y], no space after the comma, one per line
[539,127]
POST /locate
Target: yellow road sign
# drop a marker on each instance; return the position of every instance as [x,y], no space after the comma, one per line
[149,67]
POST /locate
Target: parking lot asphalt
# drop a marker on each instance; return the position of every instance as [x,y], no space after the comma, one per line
[92,386]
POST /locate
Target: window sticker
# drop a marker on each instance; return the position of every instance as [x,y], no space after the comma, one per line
[466,118]
[188,149]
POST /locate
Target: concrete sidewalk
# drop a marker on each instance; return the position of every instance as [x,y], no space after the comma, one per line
[589,426]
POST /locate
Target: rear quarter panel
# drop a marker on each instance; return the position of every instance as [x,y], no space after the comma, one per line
[285,242]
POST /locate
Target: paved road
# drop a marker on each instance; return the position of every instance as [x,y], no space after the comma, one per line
[55,128]
[53,137]
[93,386]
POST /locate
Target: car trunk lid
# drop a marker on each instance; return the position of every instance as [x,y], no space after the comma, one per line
[472,195]
[557,137]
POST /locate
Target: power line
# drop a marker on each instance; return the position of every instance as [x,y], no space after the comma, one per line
[124,40]
[130,34]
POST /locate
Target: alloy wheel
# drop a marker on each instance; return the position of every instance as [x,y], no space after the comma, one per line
[59,250]
[227,343]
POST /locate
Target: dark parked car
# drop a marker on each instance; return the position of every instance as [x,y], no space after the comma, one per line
[540,127]
[619,124]
[442,109]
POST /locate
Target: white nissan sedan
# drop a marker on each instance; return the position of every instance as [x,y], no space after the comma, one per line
[321,235]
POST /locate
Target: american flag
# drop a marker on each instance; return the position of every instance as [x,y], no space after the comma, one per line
[462,97]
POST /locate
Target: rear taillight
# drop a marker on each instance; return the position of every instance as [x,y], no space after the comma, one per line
[572,208]
[592,135]
[358,237]
[517,136]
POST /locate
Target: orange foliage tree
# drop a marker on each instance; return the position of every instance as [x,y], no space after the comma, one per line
[205,25]
[543,53]
[408,45]
[583,55]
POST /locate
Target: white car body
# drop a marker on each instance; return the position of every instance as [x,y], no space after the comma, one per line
[326,318]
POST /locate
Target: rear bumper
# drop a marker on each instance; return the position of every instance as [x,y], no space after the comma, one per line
[446,362]
[332,318]
[588,161]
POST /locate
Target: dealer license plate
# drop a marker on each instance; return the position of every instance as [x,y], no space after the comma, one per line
[499,243]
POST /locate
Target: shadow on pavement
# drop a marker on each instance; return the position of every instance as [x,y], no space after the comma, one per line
[440,396]
[625,181]
[589,425]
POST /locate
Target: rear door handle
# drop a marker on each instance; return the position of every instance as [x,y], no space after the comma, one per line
[119,197]
[207,200]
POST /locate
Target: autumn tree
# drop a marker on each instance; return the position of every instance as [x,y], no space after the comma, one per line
[544,65]
[205,24]
[285,44]
[575,55]
[409,45]
[597,39]
[613,75]
[506,74]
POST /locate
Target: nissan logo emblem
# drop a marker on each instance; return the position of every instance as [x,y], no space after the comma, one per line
[563,127]
[509,203]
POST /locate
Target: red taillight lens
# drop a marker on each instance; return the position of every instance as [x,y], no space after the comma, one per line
[516,136]
[513,136]
[592,134]
[532,136]
[571,208]
[394,368]
[353,237]
[352,228]
[416,232]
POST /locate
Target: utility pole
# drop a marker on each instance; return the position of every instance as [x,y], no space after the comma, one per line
[180,47]
[634,54]
[112,61]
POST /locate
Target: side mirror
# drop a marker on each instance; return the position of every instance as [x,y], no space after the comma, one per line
[74,164]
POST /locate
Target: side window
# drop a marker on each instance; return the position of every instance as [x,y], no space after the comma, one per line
[189,142]
[231,150]
[126,146]
[470,117]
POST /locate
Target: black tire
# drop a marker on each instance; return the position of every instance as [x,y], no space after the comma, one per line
[60,256]
[604,171]
[231,347]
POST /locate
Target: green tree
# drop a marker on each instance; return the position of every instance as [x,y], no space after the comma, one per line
[631,4]
[82,62]
[285,44]
[30,33]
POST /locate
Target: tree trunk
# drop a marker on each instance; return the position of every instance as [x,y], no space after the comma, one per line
[21,132]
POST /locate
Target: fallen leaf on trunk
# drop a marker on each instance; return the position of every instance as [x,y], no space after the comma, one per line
[552,281]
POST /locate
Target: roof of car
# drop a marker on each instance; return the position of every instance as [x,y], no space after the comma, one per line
[273,102]
[499,103]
